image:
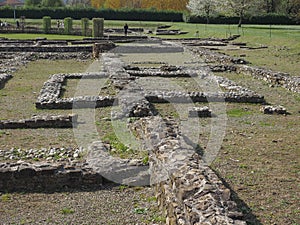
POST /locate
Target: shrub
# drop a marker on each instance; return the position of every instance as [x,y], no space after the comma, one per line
[46,24]
[68,24]
[84,26]
[98,27]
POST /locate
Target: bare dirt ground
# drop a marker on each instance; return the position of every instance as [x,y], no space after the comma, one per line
[109,205]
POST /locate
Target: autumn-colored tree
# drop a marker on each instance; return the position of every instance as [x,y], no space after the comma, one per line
[97,3]
[112,4]
[146,4]
[165,4]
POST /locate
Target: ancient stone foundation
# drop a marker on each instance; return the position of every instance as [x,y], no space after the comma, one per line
[273,78]
[59,121]
[46,177]
[188,191]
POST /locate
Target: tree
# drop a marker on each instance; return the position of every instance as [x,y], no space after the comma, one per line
[165,4]
[113,4]
[52,3]
[32,3]
[78,3]
[200,7]
[97,3]
[240,7]
[294,9]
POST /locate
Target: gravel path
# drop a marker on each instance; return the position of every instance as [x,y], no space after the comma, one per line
[112,205]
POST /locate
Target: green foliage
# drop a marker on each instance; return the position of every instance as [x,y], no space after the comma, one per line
[52,3]
[29,3]
[66,211]
[5,197]
[258,19]
[123,187]
[145,160]
[46,24]
[84,26]
[68,24]
[140,210]
[98,27]
[238,113]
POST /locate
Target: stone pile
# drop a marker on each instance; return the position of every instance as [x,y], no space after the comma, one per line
[199,112]
[269,109]
[51,154]
[47,177]
[131,172]
[116,69]
[274,78]
[102,47]
[4,77]
[58,121]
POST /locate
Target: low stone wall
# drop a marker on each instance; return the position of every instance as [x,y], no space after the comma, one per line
[180,97]
[49,97]
[147,49]
[274,78]
[58,48]
[160,73]
[46,177]
[188,191]
[4,78]
[199,112]
[59,121]
[211,56]
[48,46]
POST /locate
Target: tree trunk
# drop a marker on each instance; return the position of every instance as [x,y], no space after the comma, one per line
[207,19]
[241,19]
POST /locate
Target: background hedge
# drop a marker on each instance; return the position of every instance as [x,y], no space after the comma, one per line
[84,26]
[98,27]
[68,25]
[46,24]
[109,14]
[261,19]
[139,15]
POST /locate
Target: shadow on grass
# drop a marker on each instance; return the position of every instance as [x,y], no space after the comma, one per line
[248,215]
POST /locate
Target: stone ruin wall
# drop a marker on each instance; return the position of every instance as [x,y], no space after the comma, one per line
[272,77]
[46,177]
[49,121]
[239,65]
[188,191]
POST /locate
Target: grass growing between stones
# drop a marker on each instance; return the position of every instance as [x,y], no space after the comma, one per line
[123,143]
